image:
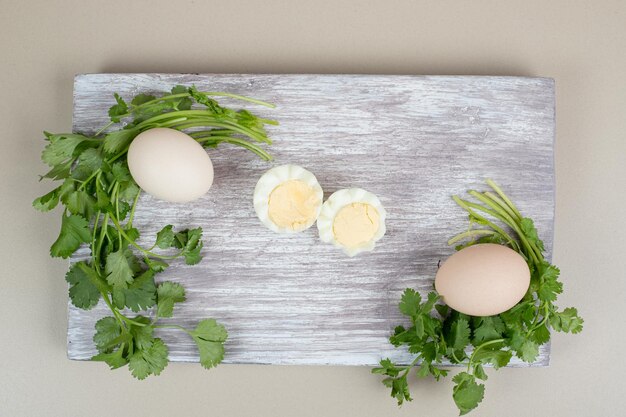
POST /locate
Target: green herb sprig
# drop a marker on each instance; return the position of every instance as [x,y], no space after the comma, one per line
[100,197]
[438,333]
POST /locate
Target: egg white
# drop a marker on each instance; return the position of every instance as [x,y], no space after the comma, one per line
[272,179]
[339,200]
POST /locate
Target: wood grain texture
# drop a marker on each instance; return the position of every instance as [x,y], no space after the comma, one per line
[412,140]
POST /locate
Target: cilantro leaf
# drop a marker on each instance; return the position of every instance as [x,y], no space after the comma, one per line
[118,110]
[410,302]
[128,189]
[83,292]
[114,359]
[169,293]
[142,335]
[497,357]
[386,368]
[74,231]
[189,241]
[540,335]
[549,286]
[209,337]
[179,89]
[102,197]
[107,330]
[141,99]
[193,256]
[80,202]
[398,383]
[479,372]
[529,230]
[399,388]
[487,328]
[118,140]
[567,321]
[61,148]
[59,172]
[89,161]
[467,393]
[149,361]
[165,237]
[140,294]
[156,265]
[459,335]
[528,351]
[119,268]
[47,201]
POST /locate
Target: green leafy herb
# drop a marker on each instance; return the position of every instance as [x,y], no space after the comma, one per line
[439,335]
[100,197]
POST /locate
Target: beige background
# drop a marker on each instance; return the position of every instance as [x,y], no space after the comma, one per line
[581,44]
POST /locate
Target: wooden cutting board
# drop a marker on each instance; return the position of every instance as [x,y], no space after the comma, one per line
[412,140]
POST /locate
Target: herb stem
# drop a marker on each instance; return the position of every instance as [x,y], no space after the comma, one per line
[172,326]
[132,210]
[470,233]
[121,231]
[504,197]
[504,218]
[467,205]
[215,140]
[104,128]
[411,365]
[491,342]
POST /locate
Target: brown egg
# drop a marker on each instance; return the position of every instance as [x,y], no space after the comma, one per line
[483,280]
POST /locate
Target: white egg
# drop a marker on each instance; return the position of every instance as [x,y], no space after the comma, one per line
[288,199]
[353,220]
[170,165]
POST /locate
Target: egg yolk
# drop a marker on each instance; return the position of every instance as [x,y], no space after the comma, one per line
[356,224]
[293,205]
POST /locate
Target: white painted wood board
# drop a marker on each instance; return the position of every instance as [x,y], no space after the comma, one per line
[412,140]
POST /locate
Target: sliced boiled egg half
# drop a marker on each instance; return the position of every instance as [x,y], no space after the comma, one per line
[288,199]
[353,220]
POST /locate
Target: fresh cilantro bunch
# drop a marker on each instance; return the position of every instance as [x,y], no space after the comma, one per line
[100,197]
[438,333]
